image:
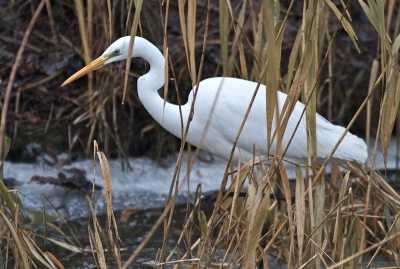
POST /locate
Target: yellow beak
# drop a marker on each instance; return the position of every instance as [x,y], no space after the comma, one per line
[99,62]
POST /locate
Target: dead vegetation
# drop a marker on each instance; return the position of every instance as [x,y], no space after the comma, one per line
[307,49]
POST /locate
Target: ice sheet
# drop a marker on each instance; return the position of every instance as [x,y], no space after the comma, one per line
[146,185]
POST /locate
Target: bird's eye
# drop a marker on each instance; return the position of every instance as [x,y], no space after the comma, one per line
[117,51]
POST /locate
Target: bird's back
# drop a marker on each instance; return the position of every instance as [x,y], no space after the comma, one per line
[227,100]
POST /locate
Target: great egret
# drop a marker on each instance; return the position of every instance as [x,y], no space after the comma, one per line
[230,98]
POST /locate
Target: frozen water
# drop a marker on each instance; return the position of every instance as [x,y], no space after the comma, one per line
[147,185]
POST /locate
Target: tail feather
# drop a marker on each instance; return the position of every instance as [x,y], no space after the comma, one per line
[351,148]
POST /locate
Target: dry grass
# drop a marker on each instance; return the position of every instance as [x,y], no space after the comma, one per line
[333,220]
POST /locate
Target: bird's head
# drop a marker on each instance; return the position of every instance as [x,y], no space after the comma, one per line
[117,51]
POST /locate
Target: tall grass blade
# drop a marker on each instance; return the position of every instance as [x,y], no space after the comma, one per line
[23,255]
[203,224]
[106,175]
[293,61]
[287,192]
[319,199]
[134,26]
[258,210]
[191,36]
[55,261]
[224,34]
[300,212]
[110,19]
[345,23]
[37,253]
[95,239]
[272,65]
[295,89]
[391,99]
[7,198]
[80,11]
[373,78]
[182,20]
[240,41]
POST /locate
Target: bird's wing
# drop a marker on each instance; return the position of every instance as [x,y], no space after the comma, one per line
[222,104]
[233,97]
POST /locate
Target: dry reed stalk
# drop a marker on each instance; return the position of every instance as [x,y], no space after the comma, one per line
[252,227]
[16,234]
[13,74]
[134,26]
[390,70]
[95,234]
[321,196]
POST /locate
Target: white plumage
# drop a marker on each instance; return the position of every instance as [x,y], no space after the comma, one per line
[227,99]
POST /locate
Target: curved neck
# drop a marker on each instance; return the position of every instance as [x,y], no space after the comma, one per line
[151,54]
[166,114]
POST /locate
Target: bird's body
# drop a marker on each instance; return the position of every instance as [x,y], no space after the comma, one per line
[220,106]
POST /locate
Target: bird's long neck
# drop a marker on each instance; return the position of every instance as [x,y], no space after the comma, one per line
[167,115]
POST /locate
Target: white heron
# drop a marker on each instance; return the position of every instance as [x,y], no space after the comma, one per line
[230,98]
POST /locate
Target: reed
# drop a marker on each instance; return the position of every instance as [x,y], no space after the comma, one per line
[326,220]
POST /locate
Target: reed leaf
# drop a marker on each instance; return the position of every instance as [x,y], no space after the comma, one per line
[295,90]
[345,23]
[23,255]
[95,241]
[191,38]
[391,99]
[134,26]
[287,193]
[255,220]
[106,175]
[300,212]
[224,34]
[37,253]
